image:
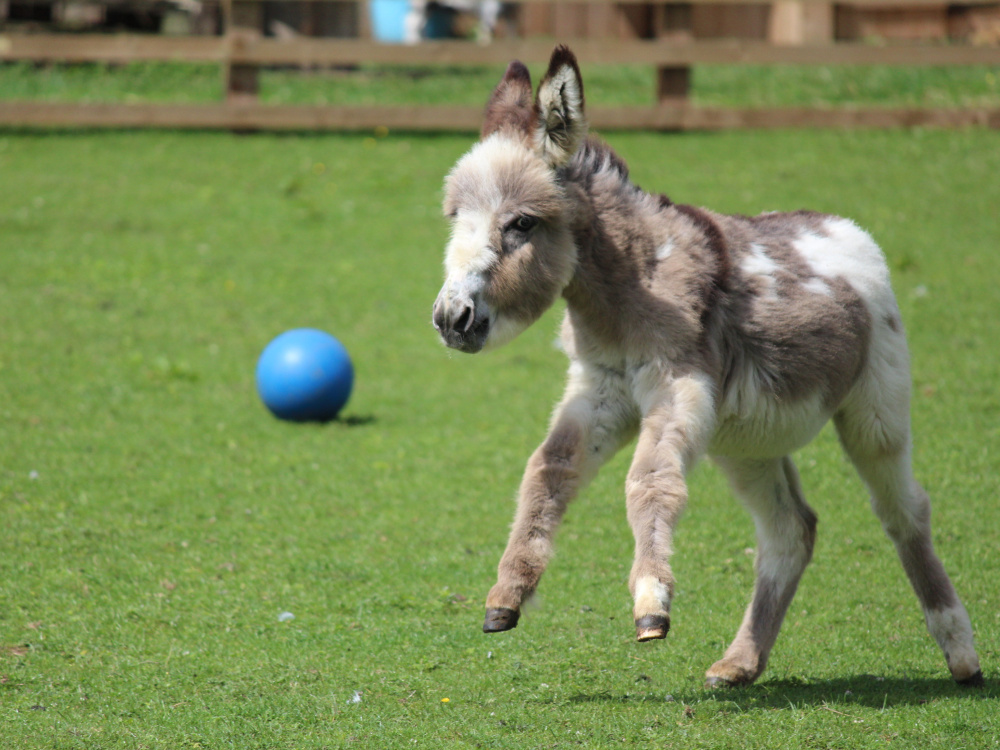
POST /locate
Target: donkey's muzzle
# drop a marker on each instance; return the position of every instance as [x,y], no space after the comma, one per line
[459,323]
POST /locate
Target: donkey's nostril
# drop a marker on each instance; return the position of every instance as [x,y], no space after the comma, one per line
[438,317]
[464,321]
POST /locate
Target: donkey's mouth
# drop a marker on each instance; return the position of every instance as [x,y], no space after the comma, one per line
[469,340]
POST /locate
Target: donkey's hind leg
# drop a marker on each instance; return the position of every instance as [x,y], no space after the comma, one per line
[877,440]
[786,531]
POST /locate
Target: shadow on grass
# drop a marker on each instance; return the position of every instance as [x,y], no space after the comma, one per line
[865,690]
[355,420]
[352,420]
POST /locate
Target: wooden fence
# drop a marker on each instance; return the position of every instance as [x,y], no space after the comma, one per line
[241,50]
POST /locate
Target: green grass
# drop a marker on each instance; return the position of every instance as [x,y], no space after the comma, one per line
[734,86]
[156,520]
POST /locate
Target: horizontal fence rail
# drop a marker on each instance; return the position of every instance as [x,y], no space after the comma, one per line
[242,50]
[307,52]
[242,117]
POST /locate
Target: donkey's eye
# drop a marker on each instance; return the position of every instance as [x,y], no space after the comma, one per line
[525,223]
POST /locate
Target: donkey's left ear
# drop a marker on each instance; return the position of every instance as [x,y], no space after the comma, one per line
[562,124]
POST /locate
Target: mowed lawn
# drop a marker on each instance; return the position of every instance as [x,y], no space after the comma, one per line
[157,523]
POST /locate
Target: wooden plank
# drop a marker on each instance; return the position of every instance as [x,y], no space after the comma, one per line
[667,117]
[664,53]
[731,21]
[121,48]
[112,48]
[239,116]
[252,116]
[925,23]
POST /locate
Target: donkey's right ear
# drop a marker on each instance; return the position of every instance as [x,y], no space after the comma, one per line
[510,108]
[562,125]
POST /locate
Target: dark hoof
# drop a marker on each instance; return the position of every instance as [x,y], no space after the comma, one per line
[652,627]
[721,683]
[500,619]
[975,680]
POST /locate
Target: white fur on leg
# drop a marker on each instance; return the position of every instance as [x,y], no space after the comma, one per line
[952,630]
[651,596]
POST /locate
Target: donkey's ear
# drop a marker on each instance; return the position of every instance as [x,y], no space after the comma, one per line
[562,124]
[510,107]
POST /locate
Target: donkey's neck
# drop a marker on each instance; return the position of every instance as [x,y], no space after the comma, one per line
[611,304]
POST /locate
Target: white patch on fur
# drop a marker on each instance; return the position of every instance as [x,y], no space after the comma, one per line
[760,265]
[848,252]
[469,250]
[467,257]
[953,632]
[664,250]
[758,262]
[651,597]
[817,286]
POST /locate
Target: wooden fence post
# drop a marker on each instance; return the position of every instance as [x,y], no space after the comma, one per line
[243,20]
[673,23]
[797,22]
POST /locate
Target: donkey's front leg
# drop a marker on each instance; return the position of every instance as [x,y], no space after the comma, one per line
[593,421]
[678,421]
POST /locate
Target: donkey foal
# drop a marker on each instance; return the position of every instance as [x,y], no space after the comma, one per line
[700,333]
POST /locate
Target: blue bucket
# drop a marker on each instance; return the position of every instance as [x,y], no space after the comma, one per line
[389,20]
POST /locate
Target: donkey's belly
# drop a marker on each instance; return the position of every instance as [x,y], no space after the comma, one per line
[768,428]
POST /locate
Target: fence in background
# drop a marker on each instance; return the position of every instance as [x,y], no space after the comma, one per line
[799,33]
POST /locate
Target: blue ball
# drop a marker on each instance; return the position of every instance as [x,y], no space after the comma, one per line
[305,375]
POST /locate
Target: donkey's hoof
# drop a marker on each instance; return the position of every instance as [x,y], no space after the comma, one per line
[724,675]
[652,627]
[715,682]
[975,680]
[500,619]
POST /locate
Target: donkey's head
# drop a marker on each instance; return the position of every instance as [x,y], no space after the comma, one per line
[511,253]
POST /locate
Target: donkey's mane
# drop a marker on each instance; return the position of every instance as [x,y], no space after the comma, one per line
[604,177]
[596,157]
